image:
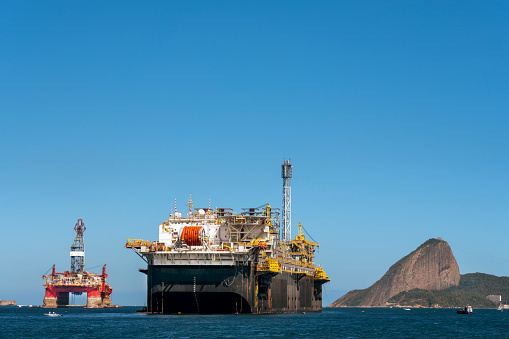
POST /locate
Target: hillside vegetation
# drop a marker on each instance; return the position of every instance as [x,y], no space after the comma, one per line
[472,290]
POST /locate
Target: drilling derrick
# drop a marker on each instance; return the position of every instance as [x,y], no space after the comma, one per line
[77,280]
[286,174]
[78,249]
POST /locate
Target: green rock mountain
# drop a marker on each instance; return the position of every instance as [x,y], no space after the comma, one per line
[431,268]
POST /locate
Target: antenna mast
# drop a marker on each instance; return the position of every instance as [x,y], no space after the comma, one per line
[78,248]
[190,202]
[286,174]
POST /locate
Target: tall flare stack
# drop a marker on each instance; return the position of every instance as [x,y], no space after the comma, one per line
[286,174]
[77,280]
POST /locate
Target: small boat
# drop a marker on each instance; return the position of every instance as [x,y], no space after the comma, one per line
[52,314]
[465,310]
[406,309]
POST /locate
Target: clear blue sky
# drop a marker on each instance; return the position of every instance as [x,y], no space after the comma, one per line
[394,114]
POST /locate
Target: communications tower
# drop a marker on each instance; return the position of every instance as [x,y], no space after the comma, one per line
[286,174]
[78,249]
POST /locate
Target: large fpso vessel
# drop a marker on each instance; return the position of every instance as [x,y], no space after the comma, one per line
[218,261]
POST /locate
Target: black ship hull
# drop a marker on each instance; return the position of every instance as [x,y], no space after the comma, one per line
[215,289]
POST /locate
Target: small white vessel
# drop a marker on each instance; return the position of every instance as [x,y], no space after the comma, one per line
[52,314]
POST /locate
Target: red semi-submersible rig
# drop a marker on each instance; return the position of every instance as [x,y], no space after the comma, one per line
[77,281]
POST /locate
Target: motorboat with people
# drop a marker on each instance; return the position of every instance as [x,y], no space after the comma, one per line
[465,310]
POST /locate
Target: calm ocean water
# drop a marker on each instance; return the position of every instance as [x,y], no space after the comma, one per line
[331,323]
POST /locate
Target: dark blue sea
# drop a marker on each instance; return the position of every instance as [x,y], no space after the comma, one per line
[331,323]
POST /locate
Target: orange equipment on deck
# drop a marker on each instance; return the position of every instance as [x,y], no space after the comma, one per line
[190,235]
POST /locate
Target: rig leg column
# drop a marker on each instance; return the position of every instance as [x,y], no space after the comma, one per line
[94,299]
[53,299]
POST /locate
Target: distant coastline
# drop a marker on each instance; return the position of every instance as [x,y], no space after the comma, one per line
[429,277]
[7,302]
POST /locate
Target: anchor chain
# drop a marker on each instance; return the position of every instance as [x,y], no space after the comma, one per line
[195,297]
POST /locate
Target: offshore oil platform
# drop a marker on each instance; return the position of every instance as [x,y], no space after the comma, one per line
[218,261]
[77,280]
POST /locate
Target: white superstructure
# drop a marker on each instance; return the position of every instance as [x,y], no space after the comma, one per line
[212,237]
